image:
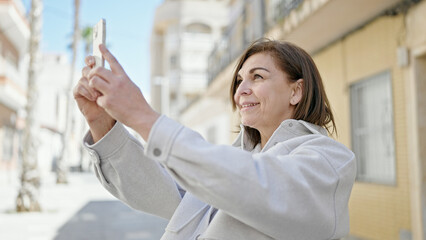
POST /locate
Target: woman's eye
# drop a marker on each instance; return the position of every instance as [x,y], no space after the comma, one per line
[257,76]
[239,81]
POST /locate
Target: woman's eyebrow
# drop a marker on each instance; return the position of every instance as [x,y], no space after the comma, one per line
[254,69]
[258,68]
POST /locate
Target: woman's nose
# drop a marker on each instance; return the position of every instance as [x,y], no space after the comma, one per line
[244,89]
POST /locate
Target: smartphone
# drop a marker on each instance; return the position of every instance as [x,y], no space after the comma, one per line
[98,38]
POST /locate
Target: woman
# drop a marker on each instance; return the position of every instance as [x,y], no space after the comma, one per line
[283,178]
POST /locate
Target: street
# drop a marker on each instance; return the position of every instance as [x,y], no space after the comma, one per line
[79,210]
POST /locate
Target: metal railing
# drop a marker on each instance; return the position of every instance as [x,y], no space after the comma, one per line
[225,51]
[284,8]
[236,38]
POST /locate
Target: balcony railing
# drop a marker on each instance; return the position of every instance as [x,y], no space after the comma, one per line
[238,36]
[242,32]
[12,94]
[228,48]
[9,70]
[284,8]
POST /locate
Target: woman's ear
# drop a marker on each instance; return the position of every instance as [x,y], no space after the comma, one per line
[297,92]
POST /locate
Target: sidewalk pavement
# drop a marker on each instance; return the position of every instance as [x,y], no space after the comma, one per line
[81,209]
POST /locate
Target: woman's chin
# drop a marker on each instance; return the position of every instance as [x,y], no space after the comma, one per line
[247,123]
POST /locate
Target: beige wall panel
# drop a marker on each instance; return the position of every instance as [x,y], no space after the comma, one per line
[376,211]
[372,49]
[331,66]
[416,19]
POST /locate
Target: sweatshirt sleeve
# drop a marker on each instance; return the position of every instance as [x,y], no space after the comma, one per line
[127,173]
[280,192]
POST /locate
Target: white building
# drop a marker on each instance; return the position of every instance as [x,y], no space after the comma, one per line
[14,37]
[183,36]
[212,114]
[52,87]
[51,83]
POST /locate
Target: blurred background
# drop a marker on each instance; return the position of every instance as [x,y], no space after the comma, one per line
[181,53]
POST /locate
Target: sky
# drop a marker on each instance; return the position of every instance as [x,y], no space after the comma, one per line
[128,31]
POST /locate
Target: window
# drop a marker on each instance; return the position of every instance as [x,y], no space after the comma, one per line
[173,61]
[372,129]
[198,28]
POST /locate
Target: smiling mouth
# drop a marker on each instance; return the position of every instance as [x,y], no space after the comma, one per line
[247,106]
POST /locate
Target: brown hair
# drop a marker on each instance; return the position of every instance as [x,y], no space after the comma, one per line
[314,106]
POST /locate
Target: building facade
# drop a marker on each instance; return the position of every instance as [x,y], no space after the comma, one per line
[372,58]
[211,113]
[51,84]
[372,67]
[183,36]
[50,110]
[14,37]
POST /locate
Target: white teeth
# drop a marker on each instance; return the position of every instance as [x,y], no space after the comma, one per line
[249,105]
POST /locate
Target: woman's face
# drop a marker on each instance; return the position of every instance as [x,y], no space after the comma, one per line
[264,94]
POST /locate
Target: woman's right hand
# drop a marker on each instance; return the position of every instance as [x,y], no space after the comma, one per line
[100,122]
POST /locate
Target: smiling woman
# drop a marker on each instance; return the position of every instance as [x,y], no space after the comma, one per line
[264,95]
[283,178]
[292,78]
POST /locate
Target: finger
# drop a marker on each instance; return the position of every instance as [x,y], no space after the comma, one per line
[85,83]
[113,63]
[80,90]
[105,103]
[85,71]
[99,84]
[98,93]
[102,72]
[101,101]
[90,61]
[88,92]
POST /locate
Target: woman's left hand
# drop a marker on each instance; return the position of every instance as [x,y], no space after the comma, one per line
[120,97]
